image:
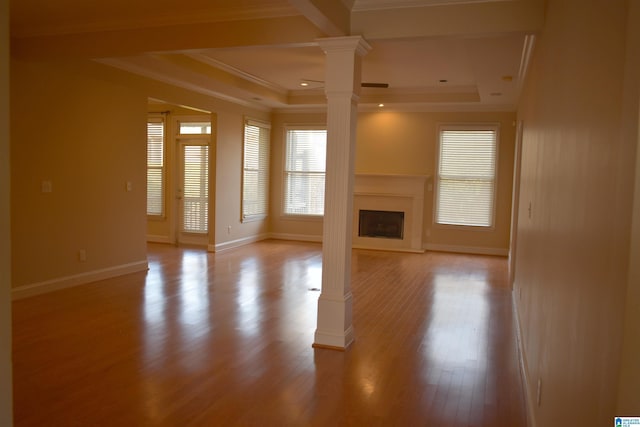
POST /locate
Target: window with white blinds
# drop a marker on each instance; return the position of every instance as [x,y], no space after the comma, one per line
[155,166]
[195,189]
[466,179]
[304,174]
[255,177]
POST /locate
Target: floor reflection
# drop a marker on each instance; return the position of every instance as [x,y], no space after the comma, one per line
[249,306]
[209,339]
[176,311]
[458,321]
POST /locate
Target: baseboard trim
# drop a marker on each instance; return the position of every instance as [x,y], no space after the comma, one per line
[524,370]
[328,340]
[296,237]
[328,347]
[26,291]
[221,247]
[466,249]
[405,250]
[158,239]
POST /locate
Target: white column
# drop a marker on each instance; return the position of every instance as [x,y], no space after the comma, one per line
[342,87]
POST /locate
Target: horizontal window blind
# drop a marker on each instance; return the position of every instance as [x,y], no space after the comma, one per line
[305,163]
[466,177]
[155,166]
[195,189]
[255,181]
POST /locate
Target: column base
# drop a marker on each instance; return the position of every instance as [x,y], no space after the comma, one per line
[332,341]
[334,322]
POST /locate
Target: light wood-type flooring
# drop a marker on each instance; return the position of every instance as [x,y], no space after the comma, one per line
[225,339]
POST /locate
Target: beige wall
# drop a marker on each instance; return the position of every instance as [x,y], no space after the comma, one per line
[6,407]
[573,253]
[88,138]
[405,143]
[93,120]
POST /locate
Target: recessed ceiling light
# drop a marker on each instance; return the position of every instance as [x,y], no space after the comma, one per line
[304,84]
[381,105]
[443,81]
[496,94]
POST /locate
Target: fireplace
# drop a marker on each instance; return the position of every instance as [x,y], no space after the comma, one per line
[381,224]
[388,212]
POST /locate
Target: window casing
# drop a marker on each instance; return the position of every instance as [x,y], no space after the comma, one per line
[155,166]
[255,175]
[304,171]
[466,176]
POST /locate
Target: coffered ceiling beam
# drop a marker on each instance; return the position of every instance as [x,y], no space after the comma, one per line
[289,30]
[330,16]
[453,20]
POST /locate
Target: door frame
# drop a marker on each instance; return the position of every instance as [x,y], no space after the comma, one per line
[178,140]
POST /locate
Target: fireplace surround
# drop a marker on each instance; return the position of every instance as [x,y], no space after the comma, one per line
[401,195]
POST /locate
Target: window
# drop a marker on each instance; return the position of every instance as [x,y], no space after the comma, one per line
[465,183]
[155,166]
[195,128]
[255,177]
[304,173]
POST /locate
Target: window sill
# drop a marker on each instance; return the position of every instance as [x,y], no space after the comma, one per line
[475,228]
[253,218]
[295,217]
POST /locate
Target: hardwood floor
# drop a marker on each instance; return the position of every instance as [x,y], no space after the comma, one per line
[225,339]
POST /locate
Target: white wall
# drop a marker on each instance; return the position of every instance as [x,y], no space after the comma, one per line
[5,242]
[578,162]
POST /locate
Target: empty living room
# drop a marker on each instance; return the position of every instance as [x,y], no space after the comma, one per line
[314,213]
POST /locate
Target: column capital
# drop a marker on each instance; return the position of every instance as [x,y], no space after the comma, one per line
[356,44]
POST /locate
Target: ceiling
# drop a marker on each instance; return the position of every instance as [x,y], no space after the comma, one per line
[433,54]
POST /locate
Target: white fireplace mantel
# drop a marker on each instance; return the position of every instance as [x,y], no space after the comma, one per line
[387,192]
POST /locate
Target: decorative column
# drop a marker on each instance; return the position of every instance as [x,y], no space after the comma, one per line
[342,88]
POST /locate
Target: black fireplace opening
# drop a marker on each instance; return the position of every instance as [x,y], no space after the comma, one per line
[382,224]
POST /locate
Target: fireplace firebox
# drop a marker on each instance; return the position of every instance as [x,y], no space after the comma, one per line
[382,224]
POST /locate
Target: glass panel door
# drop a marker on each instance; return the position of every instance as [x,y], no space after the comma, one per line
[193,192]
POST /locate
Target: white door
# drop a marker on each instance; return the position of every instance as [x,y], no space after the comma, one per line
[193,191]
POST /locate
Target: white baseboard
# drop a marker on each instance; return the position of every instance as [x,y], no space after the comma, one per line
[296,237]
[466,249]
[77,279]
[406,250]
[158,239]
[220,247]
[524,367]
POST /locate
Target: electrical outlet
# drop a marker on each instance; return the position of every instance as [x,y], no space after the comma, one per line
[46,186]
[228,229]
[82,255]
[129,186]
